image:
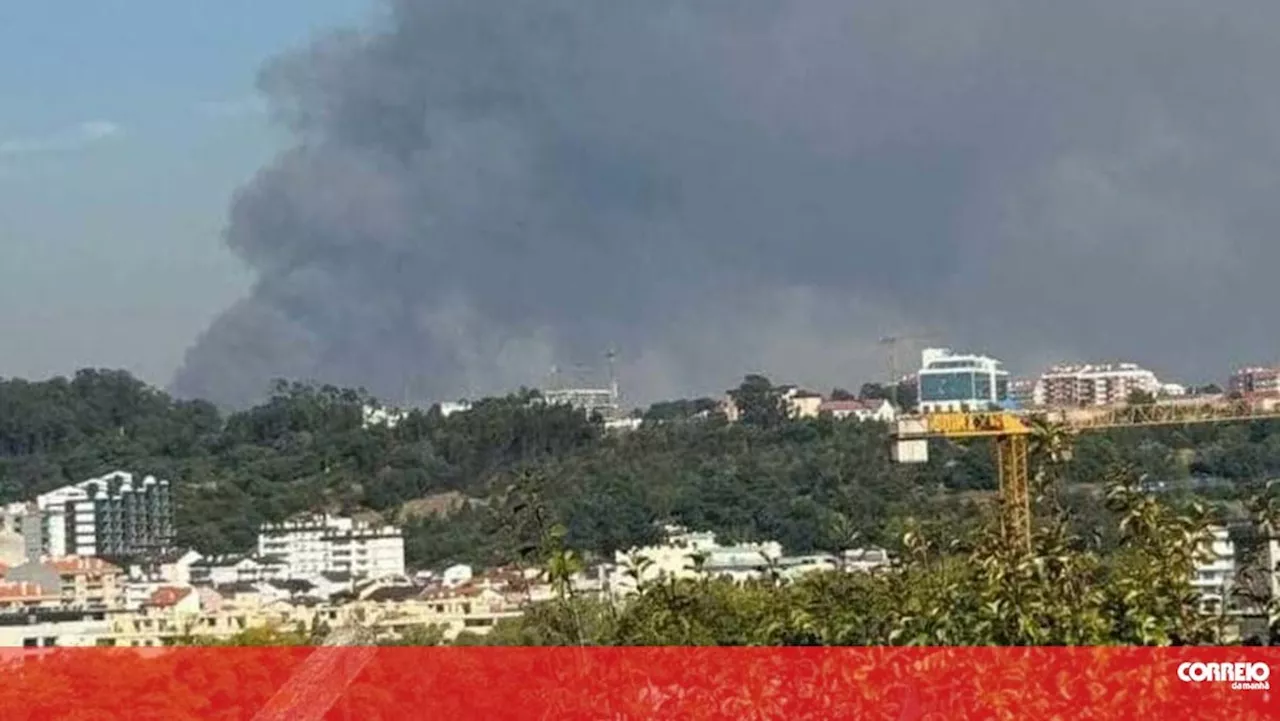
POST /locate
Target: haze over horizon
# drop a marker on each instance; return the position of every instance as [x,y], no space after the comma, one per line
[468,192]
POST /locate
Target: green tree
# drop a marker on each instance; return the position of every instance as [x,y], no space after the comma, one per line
[759,403]
[977,591]
[1139,397]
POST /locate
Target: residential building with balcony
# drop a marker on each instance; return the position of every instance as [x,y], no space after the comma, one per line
[22,596]
[314,545]
[1215,572]
[1255,381]
[1094,384]
[83,582]
[1022,392]
[116,516]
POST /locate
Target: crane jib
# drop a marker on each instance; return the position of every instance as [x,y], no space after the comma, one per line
[1013,433]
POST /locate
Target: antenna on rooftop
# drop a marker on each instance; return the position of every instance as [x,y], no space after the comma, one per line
[892,342]
[611,356]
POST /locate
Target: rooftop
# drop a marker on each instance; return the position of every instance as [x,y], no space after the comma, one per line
[232,589]
[392,593]
[82,564]
[852,405]
[167,596]
[1090,368]
[20,590]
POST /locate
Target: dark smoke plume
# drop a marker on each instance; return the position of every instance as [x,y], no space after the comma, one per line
[481,189]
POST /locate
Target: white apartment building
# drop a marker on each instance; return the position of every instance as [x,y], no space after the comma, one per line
[1255,381]
[950,382]
[1215,572]
[1094,384]
[327,544]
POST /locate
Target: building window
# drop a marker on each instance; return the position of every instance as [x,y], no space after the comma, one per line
[982,386]
[947,386]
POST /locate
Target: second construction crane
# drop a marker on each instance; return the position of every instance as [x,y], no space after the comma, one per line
[1011,435]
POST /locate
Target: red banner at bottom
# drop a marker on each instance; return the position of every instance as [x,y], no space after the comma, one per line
[458,684]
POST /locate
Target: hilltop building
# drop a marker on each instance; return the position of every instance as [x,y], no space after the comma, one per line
[382,416]
[801,403]
[1094,384]
[950,382]
[1255,381]
[881,410]
[448,408]
[602,401]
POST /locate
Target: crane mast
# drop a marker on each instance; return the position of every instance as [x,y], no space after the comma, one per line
[1011,434]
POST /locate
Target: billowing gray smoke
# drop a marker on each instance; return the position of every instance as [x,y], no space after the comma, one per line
[481,189]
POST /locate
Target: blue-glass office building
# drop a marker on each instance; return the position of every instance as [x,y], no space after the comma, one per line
[950,382]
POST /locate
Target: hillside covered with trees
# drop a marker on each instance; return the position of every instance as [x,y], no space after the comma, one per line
[810,484]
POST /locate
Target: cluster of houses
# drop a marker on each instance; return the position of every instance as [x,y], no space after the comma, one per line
[801,403]
[321,574]
[309,573]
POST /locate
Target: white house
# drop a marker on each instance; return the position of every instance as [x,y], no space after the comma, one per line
[865,559]
[881,411]
[176,569]
[229,570]
[449,408]
[456,575]
[681,554]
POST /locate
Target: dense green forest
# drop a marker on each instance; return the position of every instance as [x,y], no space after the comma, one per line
[810,484]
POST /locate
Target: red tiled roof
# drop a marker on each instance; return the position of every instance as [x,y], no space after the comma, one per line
[19,590]
[166,596]
[82,564]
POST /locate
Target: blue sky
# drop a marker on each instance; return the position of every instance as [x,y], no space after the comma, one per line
[125,125]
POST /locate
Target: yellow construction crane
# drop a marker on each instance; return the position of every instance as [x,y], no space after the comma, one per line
[1011,434]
